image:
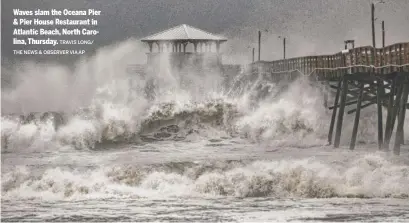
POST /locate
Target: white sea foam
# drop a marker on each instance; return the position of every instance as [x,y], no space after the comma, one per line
[365,176]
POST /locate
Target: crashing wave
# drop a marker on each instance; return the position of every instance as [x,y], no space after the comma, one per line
[100,103]
[370,176]
[88,128]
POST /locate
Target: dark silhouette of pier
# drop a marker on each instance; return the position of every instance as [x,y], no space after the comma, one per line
[363,76]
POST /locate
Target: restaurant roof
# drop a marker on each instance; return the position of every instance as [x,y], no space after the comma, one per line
[183,32]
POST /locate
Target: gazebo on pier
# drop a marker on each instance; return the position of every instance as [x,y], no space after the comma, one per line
[176,42]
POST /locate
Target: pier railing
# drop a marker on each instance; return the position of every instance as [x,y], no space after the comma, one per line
[393,58]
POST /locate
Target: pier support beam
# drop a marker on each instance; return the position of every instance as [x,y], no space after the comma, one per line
[341,112]
[334,112]
[401,118]
[357,116]
[389,118]
[399,88]
[379,95]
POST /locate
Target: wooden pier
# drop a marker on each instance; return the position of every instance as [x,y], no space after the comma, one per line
[361,76]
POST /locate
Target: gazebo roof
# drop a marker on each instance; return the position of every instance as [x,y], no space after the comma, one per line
[183,32]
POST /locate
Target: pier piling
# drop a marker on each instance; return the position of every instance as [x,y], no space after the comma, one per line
[357,114]
[379,95]
[389,125]
[401,117]
[341,112]
[334,112]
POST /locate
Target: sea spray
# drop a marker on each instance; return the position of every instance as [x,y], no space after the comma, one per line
[98,101]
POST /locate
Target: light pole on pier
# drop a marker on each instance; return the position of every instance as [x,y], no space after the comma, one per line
[284,46]
[373,20]
[383,33]
[259,45]
[373,24]
[379,83]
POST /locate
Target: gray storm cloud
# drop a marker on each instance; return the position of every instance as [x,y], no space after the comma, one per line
[311,27]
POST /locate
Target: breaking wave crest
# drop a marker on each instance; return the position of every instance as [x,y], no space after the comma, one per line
[368,176]
[48,106]
[112,124]
[282,120]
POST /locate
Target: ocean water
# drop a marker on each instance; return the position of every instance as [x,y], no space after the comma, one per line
[94,143]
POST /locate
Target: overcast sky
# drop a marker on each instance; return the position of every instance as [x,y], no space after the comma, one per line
[310,26]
